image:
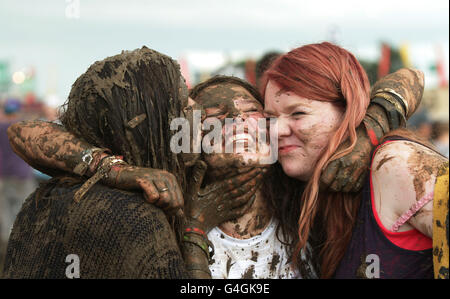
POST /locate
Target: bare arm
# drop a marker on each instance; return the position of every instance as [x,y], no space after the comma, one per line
[394,99]
[403,173]
[46,146]
[50,148]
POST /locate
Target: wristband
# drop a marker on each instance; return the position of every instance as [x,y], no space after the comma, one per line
[200,241]
[396,97]
[86,160]
[102,172]
[195,230]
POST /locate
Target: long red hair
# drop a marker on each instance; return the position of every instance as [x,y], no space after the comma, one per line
[325,72]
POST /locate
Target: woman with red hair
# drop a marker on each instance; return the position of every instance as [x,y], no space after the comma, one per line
[319,94]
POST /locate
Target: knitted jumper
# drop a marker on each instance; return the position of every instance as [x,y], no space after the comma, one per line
[115,234]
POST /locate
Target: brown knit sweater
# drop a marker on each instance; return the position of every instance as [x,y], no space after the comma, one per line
[115,234]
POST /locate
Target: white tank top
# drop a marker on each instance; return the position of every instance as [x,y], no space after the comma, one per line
[262,256]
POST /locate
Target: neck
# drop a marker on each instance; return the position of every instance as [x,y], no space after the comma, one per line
[250,224]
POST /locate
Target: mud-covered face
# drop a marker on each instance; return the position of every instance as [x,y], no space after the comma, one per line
[305,127]
[232,102]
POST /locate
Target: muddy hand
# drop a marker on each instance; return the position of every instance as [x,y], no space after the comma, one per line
[407,83]
[159,187]
[348,173]
[223,200]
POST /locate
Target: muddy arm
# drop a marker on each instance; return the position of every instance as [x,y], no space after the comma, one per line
[394,98]
[46,146]
[50,148]
[195,258]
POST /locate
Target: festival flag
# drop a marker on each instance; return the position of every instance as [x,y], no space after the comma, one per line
[184,69]
[385,61]
[404,55]
[440,66]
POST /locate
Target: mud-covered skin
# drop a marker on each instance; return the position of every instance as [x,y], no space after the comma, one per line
[348,173]
[220,201]
[220,97]
[409,83]
[228,100]
[252,223]
[51,149]
[46,146]
[403,172]
[151,182]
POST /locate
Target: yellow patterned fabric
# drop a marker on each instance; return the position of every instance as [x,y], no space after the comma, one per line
[440,225]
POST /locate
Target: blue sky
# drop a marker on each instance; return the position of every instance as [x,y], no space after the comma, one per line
[42,34]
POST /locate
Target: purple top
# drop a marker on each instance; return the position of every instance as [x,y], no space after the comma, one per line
[370,252]
[11,165]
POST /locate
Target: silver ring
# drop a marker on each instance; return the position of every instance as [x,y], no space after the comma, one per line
[163,190]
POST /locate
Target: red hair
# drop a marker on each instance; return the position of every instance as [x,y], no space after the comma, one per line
[325,72]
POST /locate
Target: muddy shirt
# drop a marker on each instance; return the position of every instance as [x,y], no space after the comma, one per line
[262,256]
[114,234]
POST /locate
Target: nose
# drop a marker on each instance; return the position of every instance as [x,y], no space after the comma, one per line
[284,128]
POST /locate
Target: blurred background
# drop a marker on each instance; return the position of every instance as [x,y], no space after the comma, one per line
[45,45]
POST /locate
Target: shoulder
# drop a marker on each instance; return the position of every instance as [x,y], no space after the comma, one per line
[143,237]
[128,207]
[404,172]
[407,158]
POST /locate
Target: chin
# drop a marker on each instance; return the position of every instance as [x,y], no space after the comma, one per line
[295,170]
[251,159]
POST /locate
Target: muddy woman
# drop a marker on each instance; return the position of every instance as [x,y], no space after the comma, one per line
[320,94]
[123,104]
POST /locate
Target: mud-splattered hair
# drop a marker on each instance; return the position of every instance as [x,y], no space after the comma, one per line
[141,83]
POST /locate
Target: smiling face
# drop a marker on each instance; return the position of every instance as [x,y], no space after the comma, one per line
[231,101]
[305,127]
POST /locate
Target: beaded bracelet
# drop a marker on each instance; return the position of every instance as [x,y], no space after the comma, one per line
[195,230]
[200,241]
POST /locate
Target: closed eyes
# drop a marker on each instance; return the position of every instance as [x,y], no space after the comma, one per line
[298,113]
